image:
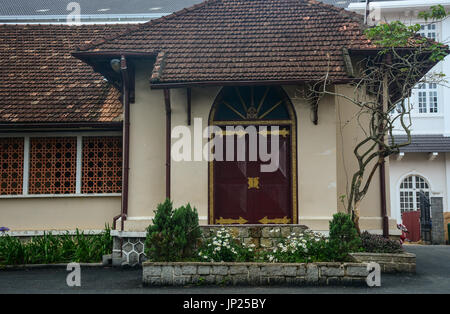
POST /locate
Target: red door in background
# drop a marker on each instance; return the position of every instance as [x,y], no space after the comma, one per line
[411,220]
[245,194]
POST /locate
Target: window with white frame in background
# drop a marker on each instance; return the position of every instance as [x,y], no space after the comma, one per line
[410,193]
[427,98]
[427,93]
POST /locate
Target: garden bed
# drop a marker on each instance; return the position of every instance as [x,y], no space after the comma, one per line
[254,274]
[389,262]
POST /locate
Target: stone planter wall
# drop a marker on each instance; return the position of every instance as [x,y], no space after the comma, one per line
[180,274]
[389,263]
[128,247]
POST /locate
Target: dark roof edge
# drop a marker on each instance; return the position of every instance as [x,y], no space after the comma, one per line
[154,85]
[52,125]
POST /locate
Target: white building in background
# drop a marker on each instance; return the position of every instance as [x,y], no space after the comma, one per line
[425,164]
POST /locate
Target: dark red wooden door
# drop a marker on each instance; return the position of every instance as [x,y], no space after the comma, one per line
[411,220]
[245,194]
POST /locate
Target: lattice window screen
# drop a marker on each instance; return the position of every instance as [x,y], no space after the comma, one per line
[53,165]
[11,161]
[102,164]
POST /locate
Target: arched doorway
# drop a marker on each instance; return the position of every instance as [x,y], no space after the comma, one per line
[409,191]
[239,192]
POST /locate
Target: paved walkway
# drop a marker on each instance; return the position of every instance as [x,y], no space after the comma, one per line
[433,276]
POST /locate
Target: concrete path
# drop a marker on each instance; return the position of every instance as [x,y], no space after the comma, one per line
[433,276]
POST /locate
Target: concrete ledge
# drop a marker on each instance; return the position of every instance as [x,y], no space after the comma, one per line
[389,263]
[253,274]
[41,266]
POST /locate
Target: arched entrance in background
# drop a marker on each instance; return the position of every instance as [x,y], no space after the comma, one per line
[239,193]
[409,193]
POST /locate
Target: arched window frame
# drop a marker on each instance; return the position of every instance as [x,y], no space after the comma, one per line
[409,197]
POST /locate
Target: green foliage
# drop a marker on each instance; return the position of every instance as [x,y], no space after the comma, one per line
[49,248]
[398,35]
[394,34]
[437,13]
[173,234]
[306,247]
[343,237]
[224,248]
[374,243]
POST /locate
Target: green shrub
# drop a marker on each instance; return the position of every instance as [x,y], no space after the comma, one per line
[173,234]
[224,248]
[306,247]
[49,248]
[343,237]
[373,243]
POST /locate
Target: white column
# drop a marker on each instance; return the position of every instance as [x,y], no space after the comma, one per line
[26,164]
[79,163]
[445,92]
[447,181]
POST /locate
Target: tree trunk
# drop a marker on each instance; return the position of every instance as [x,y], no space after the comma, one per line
[356,215]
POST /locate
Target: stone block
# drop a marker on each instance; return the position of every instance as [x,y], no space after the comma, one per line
[272,270]
[358,271]
[285,231]
[152,271]
[238,270]
[189,270]
[254,232]
[243,232]
[312,273]
[167,275]
[301,270]
[266,242]
[152,281]
[204,270]
[290,271]
[181,280]
[329,271]
[276,280]
[254,241]
[239,279]
[220,270]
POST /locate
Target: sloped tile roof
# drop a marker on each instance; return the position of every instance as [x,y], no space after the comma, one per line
[42,83]
[424,143]
[245,40]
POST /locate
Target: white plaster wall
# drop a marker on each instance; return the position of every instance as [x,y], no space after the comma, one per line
[434,171]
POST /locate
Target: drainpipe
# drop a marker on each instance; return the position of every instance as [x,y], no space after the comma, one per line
[168,139]
[384,217]
[126,139]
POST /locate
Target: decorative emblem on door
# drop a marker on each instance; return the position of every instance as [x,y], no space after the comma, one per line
[283,220]
[230,221]
[253,183]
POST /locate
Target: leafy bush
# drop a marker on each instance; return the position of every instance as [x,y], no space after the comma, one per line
[373,243]
[173,234]
[343,237]
[224,248]
[306,247]
[49,248]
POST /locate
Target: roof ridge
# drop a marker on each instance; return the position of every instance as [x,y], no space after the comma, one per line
[146,24]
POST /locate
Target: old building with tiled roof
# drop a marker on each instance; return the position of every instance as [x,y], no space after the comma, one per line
[234,66]
[42,82]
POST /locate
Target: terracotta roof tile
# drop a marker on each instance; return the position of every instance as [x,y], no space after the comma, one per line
[237,40]
[42,82]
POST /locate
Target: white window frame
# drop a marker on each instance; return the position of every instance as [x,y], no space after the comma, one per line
[438,91]
[26,162]
[412,192]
